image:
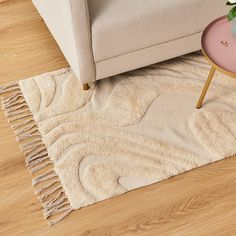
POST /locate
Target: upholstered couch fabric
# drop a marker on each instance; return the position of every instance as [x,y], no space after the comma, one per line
[100,38]
[69,23]
[123,26]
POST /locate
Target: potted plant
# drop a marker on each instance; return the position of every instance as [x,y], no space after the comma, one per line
[232,15]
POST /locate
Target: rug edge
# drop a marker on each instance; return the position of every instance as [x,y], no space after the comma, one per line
[51,194]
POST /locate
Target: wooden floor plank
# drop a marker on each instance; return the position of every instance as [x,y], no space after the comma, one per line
[201,202]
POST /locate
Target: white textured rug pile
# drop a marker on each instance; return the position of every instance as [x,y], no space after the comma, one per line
[124,133]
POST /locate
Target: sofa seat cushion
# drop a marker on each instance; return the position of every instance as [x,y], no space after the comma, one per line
[123,26]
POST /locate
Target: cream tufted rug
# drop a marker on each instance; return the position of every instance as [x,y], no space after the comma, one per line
[124,133]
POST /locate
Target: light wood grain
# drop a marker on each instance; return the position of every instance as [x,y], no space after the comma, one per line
[200,202]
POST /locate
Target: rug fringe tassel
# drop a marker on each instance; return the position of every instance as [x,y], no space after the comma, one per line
[29,155]
[56,209]
[23,123]
[13,119]
[12,99]
[34,158]
[55,201]
[31,144]
[47,186]
[37,162]
[9,88]
[23,137]
[26,129]
[50,191]
[62,217]
[15,106]
[32,148]
[39,167]
[45,176]
[16,113]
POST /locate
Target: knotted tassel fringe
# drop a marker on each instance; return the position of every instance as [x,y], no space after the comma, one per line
[49,189]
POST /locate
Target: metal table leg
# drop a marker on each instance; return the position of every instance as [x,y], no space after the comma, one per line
[207,84]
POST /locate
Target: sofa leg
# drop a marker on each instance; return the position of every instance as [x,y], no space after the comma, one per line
[85,87]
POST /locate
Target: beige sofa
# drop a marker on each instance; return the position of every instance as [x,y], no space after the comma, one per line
[101,38]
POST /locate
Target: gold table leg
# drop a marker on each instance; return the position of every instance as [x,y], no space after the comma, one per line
[207,84]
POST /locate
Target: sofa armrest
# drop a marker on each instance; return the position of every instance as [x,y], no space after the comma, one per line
[82,31]
[69,23]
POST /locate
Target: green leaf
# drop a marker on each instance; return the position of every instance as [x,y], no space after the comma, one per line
[232,14]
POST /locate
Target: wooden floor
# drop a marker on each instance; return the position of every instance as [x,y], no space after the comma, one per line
[200,202]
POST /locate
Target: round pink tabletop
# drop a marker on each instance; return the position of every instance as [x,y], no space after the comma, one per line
[219,44]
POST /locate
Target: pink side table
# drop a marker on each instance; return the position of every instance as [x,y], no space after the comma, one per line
[219,48]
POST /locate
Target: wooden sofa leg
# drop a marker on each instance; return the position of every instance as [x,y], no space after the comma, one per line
[85,87]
